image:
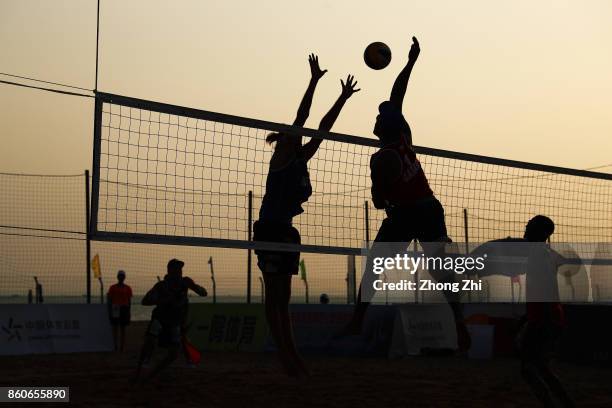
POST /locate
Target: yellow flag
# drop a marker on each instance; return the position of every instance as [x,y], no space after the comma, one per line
[95,266]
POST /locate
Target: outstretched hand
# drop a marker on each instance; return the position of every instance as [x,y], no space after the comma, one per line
[348,88]
[315,71]
[415,50]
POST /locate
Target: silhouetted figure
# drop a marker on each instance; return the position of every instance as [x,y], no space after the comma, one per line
[544,320]
[400,187]
[30,297]
[169,297]
[324,299]
[119,301]
[287,187]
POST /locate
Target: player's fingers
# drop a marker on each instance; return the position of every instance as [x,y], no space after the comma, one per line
[414,39]
[356,90]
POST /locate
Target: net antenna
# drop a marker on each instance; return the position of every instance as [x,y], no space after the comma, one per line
[97,44]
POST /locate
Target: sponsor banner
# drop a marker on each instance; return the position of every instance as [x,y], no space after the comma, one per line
[62,328]
[227,327]
[317,329]
[241,327]
[420,327]
[315,325]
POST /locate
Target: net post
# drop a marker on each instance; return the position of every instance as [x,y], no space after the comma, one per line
[467,245]
[465,231]
[95,179]
[366,208]
[249,254]
[87,239]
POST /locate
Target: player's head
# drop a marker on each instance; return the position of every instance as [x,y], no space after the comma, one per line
[275,137]
[121,276]
[539,229]
[175,268]
[390,123]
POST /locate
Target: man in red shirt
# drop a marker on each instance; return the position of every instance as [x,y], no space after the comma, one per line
[119,299]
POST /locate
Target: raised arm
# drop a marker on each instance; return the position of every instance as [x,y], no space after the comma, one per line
[315,74]
[348,89]
[401,82]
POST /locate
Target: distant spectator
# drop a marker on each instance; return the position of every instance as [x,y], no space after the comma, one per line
[119,300]
[324,299]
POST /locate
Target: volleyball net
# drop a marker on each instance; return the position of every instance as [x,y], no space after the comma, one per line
[165,175]
[174,175]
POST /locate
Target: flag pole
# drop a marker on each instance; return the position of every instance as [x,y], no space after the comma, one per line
[212,278]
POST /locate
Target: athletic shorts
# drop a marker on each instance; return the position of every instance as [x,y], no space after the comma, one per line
[120,315]
[277,262]
[423,220]
[167,335]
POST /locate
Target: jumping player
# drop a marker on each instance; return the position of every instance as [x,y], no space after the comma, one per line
[400,187]
[287,187]
[169,297]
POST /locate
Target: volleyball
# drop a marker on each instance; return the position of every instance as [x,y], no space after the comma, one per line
[377,55]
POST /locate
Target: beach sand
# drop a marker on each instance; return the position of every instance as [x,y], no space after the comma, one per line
[255,380]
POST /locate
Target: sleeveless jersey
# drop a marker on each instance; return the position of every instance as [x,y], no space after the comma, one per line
[411,185]
[287,189]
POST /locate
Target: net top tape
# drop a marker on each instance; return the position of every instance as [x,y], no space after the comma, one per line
[358,140]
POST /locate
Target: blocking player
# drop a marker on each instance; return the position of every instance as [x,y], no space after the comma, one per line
[287,188]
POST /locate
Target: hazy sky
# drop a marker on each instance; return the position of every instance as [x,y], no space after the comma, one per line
[524,80]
